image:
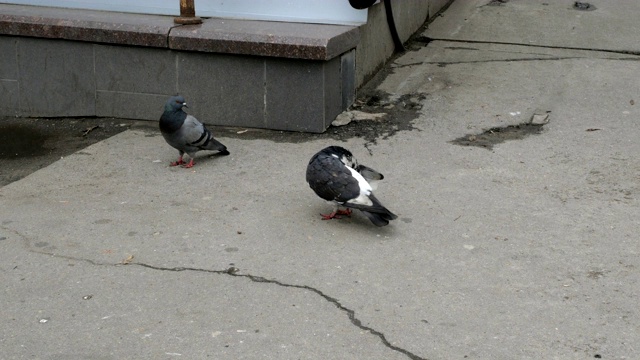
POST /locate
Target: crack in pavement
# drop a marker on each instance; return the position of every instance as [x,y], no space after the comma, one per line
[445,63]
[259,279]
[232,271]
[426,40]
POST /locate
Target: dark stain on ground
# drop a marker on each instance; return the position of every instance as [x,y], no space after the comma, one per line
[498,135]
[18,141]
[417,42]
[583,6]
[497,2]
[29,144]
[401,113]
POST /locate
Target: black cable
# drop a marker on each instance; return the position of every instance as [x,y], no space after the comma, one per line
[361,4]
[392,26]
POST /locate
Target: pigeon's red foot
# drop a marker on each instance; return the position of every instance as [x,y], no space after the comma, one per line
[179,162]
[335,214]
[190,164]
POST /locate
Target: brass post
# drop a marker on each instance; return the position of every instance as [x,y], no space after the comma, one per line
[187,13]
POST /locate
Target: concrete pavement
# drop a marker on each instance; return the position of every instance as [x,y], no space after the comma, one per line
[528,249]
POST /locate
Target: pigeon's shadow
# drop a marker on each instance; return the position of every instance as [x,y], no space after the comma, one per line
[201,159]
[208,157]
[359,223]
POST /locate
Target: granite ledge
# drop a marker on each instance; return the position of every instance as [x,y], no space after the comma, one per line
[229,36]
[85,25]
[266,38]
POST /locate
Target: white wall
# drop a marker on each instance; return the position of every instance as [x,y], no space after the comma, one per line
[311,11]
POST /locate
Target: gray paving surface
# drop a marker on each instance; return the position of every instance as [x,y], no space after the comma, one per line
[611,26]
[528,249]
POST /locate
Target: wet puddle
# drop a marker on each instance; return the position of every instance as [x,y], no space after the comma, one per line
[497,135]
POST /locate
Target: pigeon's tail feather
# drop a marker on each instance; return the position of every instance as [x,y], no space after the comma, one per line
[378,219]
[217,145]
[380,209]
[213,144]
[377,213]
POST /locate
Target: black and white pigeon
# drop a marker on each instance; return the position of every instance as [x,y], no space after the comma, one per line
[185,133]
[334,175]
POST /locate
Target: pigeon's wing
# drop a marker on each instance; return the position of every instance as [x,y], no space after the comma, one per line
[192,131]
[331,179]
[370,175]
[198,137]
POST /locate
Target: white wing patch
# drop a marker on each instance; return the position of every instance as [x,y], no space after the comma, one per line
[365,189]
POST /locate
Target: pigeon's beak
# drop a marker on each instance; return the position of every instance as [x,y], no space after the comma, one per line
[184,104]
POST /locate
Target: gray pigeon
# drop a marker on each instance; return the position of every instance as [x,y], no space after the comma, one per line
[185,133]
[334,175]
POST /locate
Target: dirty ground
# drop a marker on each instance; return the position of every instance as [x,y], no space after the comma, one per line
[29,144]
